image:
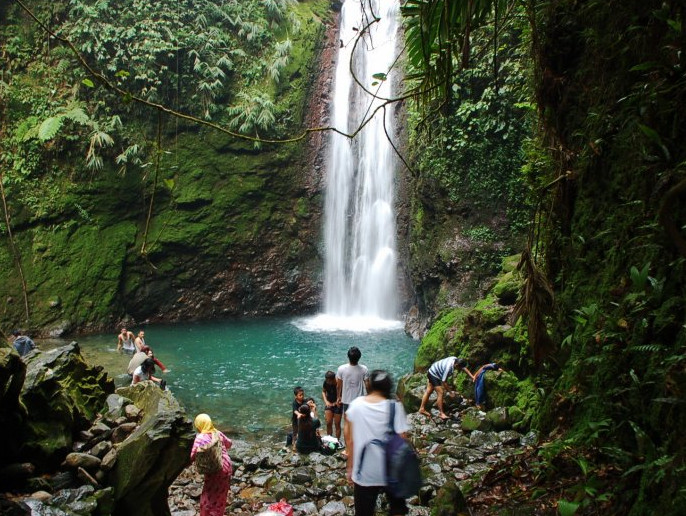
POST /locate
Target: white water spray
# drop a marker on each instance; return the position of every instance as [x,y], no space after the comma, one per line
[360,286]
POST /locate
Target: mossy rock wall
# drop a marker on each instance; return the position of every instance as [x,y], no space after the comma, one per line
[220,228]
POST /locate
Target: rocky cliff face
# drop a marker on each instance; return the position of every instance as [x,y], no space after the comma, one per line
[219,229]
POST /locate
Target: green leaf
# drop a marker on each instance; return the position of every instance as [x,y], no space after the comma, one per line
[566,508]
[88,82]
[379,76]
[169,183]
[122,73]
[49,128]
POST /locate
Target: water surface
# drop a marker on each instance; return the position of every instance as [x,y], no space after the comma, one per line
[242,373]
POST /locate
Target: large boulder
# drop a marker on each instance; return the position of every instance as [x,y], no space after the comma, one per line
[62,395]
[153,455]
[12,412]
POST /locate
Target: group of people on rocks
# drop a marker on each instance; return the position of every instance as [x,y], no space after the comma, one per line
[143,361]
[359,401]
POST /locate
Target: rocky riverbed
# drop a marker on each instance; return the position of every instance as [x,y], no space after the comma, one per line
[453,453]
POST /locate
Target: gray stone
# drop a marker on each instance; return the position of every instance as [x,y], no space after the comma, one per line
[153,454]
[101,449]
[305,509]
[132,412]
[109,459]
[509,437]
[115,406]
[334,508]
[120,433]
[301,475]
[263,480]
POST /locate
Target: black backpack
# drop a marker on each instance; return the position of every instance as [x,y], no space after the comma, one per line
[403,474]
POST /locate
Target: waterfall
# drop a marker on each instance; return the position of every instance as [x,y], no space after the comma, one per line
[360,234]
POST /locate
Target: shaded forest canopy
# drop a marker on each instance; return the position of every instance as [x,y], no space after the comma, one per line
[564,118]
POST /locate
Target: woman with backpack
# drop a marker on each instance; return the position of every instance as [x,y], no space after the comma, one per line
[216,486]
[366,427]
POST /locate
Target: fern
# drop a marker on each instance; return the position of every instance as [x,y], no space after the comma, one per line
[49,128]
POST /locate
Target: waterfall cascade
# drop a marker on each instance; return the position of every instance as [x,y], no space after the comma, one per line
[360,286]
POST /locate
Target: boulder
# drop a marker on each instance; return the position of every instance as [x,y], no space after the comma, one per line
[62,394]
[153,455]
[12,413]
[449,501]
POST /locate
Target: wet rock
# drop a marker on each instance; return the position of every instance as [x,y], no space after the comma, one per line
[16,472]
[82,460]
[120,433]
[115,406]
[86,477]
[109,459]
[263,480]
[101,449]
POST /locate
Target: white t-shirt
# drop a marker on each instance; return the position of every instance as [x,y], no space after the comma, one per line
[353,377]
[140,374]
[370,421]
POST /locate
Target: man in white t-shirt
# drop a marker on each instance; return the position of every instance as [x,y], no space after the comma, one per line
[351,379]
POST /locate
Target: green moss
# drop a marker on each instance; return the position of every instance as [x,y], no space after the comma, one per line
[488,312]
[438,342]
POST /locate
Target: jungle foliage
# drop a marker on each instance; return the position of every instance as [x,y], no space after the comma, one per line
[605,169]
[63,130]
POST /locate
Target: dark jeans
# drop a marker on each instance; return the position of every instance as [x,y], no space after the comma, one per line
[365,501]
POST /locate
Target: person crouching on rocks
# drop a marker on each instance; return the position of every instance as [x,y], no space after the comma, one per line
[216,485]
[145,372]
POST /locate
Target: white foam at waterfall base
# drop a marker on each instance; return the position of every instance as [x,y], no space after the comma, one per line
[327,323]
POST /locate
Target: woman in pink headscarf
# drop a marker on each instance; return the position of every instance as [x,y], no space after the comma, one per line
[216,487]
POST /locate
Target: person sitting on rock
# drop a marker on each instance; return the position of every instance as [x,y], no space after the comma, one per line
[308,440]
[22,343]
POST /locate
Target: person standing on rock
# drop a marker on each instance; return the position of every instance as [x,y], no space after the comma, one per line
[351,379]
[367,421]
[216,485]
[438,375]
